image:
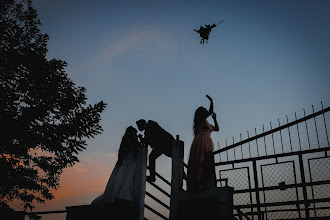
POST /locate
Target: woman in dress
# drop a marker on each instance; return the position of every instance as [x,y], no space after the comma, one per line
[201,171]
[121,182]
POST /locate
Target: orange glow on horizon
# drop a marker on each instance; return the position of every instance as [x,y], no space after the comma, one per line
[79,184]
[90,176]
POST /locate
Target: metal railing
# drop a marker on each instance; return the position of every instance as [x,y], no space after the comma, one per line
[282,173]
[279,147]
[158,200]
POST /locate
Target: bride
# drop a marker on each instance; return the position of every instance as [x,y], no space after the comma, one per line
[121,182]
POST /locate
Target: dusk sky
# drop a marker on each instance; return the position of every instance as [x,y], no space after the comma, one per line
[268,59]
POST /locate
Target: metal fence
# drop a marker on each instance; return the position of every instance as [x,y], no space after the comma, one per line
[282,173]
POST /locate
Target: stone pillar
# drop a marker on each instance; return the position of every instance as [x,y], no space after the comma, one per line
[210,203]
[140,180]
[177,176]
[81,212]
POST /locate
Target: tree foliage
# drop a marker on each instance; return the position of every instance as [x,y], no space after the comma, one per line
[44,117]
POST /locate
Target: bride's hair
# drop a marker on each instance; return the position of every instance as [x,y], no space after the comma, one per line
[127,142]
[200,115]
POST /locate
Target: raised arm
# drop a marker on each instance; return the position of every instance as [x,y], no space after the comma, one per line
[216,126]
[143,141]
[211,105]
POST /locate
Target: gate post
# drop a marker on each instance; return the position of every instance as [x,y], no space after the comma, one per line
[256,183]
[177,176]
[140,180]
[303,181]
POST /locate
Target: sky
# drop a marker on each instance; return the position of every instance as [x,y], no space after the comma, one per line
[266,60]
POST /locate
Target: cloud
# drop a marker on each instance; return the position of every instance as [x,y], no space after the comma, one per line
[127,43]
[111,156]
[80,168]
[151,38]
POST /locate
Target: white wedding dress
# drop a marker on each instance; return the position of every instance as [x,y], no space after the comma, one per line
[120,184]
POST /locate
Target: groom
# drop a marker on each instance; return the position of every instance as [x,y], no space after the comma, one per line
[159,140]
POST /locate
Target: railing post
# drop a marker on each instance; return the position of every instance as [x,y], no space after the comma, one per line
[140,180]
[303,181]
[256,182]
[177,176]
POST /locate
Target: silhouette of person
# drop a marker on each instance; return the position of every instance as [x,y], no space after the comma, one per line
[159,140]
[201,170]
[120,186]
[204,32]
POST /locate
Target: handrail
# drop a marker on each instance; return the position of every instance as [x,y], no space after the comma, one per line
[274,156]
[160,189]
[160,177]
[273,130]
[154,211]
[326,200]
[157,200]
[45,212]
[288,186]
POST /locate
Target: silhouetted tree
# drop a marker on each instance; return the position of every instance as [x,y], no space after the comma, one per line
[44,117]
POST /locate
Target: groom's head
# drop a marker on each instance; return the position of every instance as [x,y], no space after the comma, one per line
[141,124]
